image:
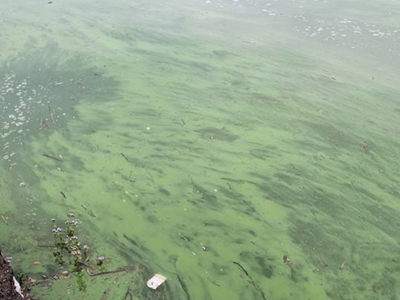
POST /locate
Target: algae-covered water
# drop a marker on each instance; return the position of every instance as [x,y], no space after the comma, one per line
[204,140]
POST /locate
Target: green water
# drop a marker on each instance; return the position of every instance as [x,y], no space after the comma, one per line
[205,140]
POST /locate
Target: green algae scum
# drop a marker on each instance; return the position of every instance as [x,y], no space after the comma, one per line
[243,149]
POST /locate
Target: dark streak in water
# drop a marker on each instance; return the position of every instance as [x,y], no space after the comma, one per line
[124,156]
[242,268]
[184,287]
[52,157]
[130,240]
[251,280]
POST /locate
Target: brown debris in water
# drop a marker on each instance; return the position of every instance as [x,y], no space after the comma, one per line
[287,261]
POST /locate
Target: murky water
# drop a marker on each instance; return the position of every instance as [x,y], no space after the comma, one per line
[204,140]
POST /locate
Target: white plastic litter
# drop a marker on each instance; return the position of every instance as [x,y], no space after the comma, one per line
[155,281]
[17,286]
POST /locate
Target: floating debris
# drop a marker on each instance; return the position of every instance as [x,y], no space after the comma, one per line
[100,260]
[43,124]
[5,219]
[242,268]
[155,281]
[112,272]
[287,261]
[52,157]
[124,156]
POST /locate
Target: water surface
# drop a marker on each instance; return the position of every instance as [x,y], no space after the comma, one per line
[205,140]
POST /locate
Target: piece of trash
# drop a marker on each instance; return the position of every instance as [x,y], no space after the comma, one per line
[100,260]
[287,261]
[17,286]
[155,281]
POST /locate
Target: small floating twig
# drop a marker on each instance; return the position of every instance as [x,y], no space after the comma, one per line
[242,268]
[124,156]
[63,194]
[52,157]
[251,280]
[4,219]
[111,272]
